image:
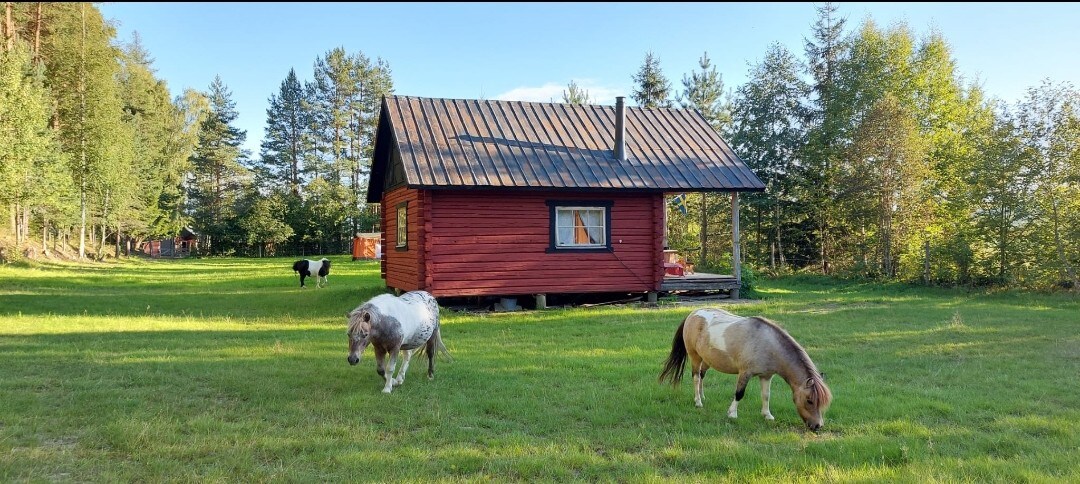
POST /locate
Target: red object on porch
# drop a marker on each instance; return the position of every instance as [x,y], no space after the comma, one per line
[673,269]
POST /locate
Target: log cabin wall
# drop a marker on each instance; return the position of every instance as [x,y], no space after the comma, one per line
[492,242]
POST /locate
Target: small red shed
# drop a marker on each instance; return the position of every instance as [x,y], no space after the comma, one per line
[502,198]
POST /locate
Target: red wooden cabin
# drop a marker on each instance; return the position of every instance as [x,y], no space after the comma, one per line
[502,198]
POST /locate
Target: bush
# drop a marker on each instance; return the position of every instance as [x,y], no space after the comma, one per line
[748,288]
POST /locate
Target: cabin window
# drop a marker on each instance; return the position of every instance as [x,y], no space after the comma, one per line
[402,226]
[580,225]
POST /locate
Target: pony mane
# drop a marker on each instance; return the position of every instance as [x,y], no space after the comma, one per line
[354,319]
[820,389]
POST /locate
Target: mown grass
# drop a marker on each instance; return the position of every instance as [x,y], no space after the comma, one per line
[223,370]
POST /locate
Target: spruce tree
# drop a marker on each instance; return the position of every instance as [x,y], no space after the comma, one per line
[770,119]
[653,89]
[822,154]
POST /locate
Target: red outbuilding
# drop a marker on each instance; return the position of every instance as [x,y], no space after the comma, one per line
[505,198]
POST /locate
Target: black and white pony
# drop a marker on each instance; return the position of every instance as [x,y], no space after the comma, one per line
[391,324]
[312,268]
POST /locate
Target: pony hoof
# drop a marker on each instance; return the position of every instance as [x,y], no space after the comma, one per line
[733,415]
[769,417]
[386,390]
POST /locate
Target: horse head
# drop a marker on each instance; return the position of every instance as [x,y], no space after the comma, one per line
[812,399]
[360,321]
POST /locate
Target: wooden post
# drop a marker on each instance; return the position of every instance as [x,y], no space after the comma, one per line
[735,252]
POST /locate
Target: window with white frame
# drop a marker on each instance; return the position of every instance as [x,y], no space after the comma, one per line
[580,225]
[402,226]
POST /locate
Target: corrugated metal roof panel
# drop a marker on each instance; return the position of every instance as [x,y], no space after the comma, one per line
[507,144]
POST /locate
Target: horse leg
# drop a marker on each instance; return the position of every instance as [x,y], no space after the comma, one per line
[432,347]
[698,367]
[390,372]
[404,367]
[766,382]
[380,361]
[302,280]
[740,390]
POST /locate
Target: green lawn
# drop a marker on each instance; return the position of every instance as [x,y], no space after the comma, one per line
[225,370]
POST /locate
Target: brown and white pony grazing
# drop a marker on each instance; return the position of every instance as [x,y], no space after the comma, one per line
[393,324]
[747,346]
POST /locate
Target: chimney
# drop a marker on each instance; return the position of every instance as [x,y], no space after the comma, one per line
[620,128]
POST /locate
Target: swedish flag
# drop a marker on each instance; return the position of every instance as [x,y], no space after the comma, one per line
[679,201]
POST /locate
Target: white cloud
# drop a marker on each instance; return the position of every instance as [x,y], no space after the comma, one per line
[553,92]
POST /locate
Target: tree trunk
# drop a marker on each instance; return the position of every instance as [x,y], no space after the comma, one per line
[37,33]
[779,237]
[82,222]
[101,245]
[9,28]
[25,222]
[926,263]
[1068,274]
[1003,231]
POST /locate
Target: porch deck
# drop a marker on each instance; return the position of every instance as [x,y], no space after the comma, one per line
[699,281]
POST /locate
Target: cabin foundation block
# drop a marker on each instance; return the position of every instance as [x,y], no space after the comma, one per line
[650,297]
[541,301]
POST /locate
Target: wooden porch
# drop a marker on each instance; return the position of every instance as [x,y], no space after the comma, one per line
[701,281]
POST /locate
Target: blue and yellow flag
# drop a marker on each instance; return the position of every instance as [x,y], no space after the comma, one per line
[679,201]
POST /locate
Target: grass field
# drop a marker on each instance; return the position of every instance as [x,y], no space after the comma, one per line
[224,370]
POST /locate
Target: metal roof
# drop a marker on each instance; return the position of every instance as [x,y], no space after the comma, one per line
[466,143]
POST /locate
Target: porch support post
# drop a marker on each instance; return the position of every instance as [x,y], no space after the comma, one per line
[735,252]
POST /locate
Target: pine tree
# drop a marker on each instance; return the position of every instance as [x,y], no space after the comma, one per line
[575,94]
[653,88]
[703,91]
[284,145]
[219,175]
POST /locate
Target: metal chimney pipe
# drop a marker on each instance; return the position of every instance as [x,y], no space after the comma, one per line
[620,128]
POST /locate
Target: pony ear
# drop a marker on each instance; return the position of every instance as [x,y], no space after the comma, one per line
[823,376]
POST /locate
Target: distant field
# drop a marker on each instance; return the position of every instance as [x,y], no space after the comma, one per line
[225,370]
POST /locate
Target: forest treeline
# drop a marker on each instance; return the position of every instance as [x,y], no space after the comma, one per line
[880,158]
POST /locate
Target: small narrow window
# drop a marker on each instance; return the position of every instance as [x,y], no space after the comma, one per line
[402,226]
[580,225]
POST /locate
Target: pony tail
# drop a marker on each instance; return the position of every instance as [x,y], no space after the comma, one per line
[676,362]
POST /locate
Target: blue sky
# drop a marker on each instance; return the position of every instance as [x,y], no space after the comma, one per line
[531,51]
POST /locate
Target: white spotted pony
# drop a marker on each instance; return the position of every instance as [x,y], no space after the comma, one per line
[392,324]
